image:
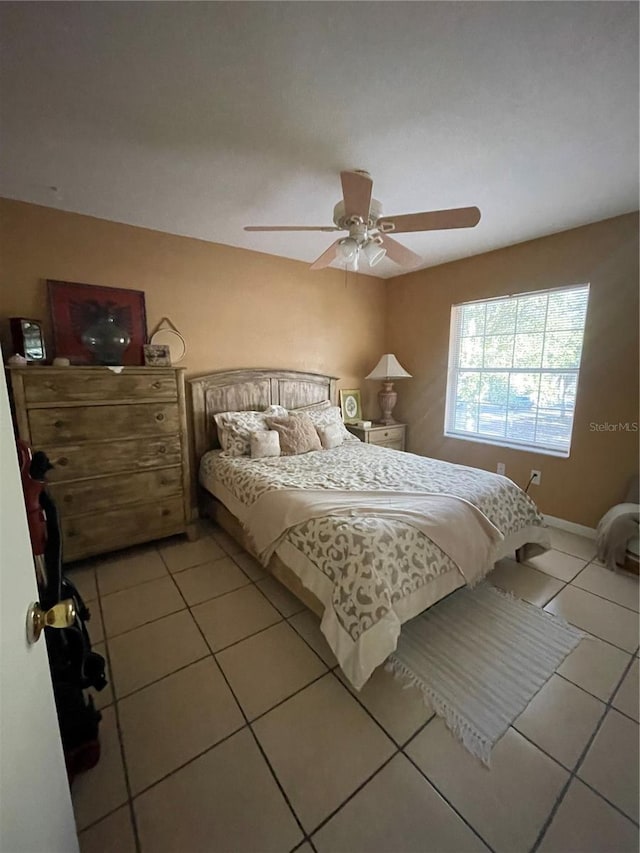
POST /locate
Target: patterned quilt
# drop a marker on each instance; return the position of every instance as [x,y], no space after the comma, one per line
[372,565]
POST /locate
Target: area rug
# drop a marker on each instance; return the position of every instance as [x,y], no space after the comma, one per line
[479,657]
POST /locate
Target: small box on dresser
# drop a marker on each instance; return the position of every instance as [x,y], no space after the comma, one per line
[118,444]
[392,436]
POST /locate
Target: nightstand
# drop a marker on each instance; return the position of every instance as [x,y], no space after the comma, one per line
[385,436]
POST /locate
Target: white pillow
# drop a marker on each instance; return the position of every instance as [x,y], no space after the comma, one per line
[264,443]
[331,417]
[234,428]
[330,436]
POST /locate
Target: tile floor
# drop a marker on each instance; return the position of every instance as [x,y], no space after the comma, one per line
[228,728]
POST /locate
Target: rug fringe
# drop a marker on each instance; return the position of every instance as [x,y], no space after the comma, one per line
[472,741]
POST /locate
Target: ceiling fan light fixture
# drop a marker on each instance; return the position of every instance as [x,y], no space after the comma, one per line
[348,250]
[360,215]
[373,252]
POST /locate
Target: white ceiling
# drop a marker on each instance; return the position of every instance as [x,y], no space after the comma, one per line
[199,118]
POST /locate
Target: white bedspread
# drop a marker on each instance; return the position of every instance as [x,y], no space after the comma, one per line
[371,571]
[438,517]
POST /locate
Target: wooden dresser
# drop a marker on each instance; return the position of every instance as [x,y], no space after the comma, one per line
[119,448]
[386,436]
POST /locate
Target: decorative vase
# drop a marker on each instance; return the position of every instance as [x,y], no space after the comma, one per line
[106,340]
[387,398]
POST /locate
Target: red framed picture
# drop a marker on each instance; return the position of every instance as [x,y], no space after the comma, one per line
[97,325]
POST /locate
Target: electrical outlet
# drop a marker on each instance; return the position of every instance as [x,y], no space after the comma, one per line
[536,477]
[501,468]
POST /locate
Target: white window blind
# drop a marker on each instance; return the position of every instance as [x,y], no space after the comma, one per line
[513,369]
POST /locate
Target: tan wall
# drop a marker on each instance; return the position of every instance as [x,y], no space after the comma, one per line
[235,308]
[582,487]
[245,309]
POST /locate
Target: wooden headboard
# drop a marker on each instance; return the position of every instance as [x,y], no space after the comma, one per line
[250,389]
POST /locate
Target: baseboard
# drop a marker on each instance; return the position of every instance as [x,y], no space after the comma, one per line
[571,527]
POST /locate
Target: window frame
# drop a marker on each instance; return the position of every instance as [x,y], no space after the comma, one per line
[453,372]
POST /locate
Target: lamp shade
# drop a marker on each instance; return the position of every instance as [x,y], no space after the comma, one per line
[388,368]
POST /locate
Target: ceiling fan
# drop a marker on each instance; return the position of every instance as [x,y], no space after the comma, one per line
[369,231]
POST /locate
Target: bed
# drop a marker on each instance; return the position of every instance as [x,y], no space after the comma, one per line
[365,536]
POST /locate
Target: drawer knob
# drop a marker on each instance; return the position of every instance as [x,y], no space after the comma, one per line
[62,461]
[71,532]
[156,385]
[162,449]
[159,416]
[166,511]
[68,498]
[386,434]
[58,424]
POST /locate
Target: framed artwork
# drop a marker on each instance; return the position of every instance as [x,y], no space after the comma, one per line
[97,325]
[351,406]
[157,355]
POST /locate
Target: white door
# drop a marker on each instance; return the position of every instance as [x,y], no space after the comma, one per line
[35,805]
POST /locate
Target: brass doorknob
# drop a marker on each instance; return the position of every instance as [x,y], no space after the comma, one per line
[61,615]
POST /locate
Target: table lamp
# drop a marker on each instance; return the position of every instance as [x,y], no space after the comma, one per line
[388,369]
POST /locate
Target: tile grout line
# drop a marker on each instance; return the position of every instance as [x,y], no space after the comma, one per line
[331,670]
[355,696]
[158,680]
[573,774]
[441,793]
[209,653]
[597,594]
[607,705]
[593,695]
[248,725]
[400,751]
[188,606]
[247,722]
[589,633]
[129,803]
[117,699]
[354,793]
[570,772]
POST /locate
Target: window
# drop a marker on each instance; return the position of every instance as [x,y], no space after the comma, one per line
[513,369]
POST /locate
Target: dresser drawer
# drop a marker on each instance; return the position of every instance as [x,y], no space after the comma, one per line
[103,493]
[72,461]
[384,436]
[92,386]
[393,445]
[118,528]
[59,425]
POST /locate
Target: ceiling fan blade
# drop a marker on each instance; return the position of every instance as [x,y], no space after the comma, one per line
[399,253]
[356,190]
[291,228]
[326,257]
[433,220]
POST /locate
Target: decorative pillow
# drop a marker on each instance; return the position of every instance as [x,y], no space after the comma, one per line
[330,417]
[234,428]
[330,436]
[264,443]
[313,407]
[297,434]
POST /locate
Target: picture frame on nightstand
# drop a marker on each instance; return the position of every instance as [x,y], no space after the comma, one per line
[351,406]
